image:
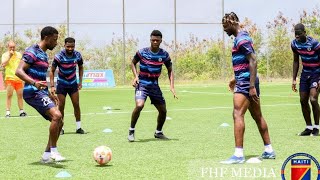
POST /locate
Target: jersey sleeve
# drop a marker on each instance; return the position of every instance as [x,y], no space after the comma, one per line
[316,46]
[167,61]
[55,61]
[28,57]
[137,57]
[80,60]
[294,48]
[246,47]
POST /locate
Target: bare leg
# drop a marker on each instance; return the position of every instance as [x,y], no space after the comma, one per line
[76,105]
[62,101]
[240,106]
[19,97]
[9,97]
[56,122]
[315,105]
[304,98]
[161,116]
[136,112]
[256,114]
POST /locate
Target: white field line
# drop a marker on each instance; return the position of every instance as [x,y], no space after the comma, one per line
[152,111]
[213,93]
[201,92]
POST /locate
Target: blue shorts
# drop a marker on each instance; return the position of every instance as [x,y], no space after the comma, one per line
[243,87]
[154,92]
[41,102]
[61,89]
[308,81]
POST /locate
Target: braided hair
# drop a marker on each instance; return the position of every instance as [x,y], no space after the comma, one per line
[230,18]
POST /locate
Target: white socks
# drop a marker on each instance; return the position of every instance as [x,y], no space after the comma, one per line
[46,155]
[310,127]
[78,123]
[268,148]
[238,152]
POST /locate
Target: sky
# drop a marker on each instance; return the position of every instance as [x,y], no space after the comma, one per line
[101,20]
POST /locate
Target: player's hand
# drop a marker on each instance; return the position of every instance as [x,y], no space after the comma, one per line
[174,93]
[54,98]
[79,86]
[294,86]
[253,94]
[135,82]
[53,90]
[41,85]
[232,84]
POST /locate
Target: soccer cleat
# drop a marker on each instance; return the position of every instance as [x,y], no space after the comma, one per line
[306,132]
[80,131]
[62,132]
[23,114]
[8,115]
[46,161]
[233,160]
[266,155]
[131,136]
[315,132]
[57,157]
[160,135]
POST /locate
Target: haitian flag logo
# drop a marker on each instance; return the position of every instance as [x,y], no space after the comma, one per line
[300,169]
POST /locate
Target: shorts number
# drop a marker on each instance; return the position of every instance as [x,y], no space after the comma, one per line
[46,101]
[138,93]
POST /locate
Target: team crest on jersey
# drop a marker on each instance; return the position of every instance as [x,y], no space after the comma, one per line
[315,84]
[160,59]
[309,48]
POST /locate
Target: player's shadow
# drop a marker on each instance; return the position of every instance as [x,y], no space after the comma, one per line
[252,156]
[104,166]
[74,133]
[58,165]
[155,139]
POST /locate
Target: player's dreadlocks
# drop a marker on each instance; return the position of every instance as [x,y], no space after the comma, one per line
[230,18]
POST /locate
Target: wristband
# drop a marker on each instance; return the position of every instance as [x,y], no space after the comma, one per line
[34,83]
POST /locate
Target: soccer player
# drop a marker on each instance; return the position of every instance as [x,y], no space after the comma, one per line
[246,89]
[67,61]
[309,50]
[146,84]
[10,60]
[32,70]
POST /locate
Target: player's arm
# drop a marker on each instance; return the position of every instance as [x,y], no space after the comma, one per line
[5,59]
[232,83]
[80,76]
[171,79]
[295,69]
[21,73]
[51,77]
[134,71]
[253,75]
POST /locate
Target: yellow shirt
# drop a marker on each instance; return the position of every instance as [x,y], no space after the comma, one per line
[12,65]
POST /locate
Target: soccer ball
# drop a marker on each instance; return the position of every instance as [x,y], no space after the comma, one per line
[102,155]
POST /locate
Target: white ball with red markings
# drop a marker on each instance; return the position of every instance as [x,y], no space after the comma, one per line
[102,155]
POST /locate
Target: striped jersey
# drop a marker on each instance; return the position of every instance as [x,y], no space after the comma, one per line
[38,61]
[151,65]
[67,67]
[242,46]
[309,52]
